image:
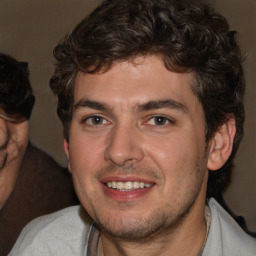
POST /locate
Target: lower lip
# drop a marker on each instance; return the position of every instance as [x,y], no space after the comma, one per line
[118,195]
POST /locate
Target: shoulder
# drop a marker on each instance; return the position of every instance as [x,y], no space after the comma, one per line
[61,233]
[45,179]
[38,157]
[225,236]
[37,163]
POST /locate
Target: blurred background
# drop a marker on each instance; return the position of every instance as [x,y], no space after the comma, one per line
[30,29]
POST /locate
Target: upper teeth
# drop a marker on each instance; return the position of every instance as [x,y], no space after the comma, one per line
[128,185]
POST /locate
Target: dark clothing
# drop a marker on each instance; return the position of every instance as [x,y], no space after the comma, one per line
[42,187]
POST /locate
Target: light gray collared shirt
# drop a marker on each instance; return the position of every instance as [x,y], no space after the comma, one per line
[70,232]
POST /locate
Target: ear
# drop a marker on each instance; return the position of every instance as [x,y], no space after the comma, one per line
[66,149]
[222,145]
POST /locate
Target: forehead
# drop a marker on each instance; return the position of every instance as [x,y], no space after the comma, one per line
[135,82]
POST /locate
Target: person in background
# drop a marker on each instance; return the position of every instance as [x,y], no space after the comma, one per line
[150,95]
[31,182]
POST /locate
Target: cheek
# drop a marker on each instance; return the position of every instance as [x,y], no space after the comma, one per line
[176,158]
[24,143]
[86,154]
[86,157]
[171,151]
[19,139]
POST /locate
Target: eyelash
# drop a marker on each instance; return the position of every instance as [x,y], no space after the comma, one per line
[89,120]
[86,120]
[165,119]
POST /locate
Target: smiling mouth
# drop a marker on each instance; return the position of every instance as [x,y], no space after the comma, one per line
[128,185]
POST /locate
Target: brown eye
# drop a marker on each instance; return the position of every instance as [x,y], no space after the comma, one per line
[96,120]
[158,120]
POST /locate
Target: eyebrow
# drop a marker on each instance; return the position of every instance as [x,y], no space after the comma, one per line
[151,105]
[158,104]
[91,104]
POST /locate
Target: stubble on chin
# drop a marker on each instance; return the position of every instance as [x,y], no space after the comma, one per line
[141,229]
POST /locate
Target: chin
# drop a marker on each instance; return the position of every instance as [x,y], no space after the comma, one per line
[133,229]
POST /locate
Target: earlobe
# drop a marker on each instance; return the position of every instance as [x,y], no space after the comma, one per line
[221,145]
[66,149]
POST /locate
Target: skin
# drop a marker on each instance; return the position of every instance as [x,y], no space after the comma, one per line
[13,143]
[141,122]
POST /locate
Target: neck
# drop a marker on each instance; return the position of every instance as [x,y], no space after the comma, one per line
[186,239]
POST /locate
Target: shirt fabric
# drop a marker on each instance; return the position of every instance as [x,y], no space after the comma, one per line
[71,232]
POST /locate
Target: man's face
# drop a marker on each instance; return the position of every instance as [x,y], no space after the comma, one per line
[13,143]
[137,148]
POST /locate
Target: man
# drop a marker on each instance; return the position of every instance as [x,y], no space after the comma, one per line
[13,124]
[31,185]
[150,97]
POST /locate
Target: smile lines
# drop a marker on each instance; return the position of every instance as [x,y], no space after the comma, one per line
[128,185]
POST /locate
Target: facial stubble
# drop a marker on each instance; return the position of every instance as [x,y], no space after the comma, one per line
[160,223]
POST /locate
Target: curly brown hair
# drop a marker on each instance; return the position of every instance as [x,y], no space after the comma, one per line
[188,35]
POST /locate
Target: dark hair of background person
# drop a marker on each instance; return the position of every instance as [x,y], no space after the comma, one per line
[16,97]
[193,39]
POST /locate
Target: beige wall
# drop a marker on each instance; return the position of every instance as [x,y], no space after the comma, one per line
[29,29]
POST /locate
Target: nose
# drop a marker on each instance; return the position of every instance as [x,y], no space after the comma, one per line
[124,146]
